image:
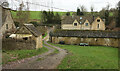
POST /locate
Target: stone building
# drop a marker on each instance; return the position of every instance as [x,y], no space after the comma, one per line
[7,24]
[97,38]
[82,23]
[29,33]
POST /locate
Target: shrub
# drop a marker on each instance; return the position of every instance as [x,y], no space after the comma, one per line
[17,24]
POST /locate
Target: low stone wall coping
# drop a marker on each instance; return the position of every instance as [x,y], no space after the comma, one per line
[85,34]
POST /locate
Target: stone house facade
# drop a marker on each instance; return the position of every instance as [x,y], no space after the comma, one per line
[29,33]
[7,24]
[95,38]
[82,23]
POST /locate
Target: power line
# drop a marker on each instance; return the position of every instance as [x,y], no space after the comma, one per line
[46,6]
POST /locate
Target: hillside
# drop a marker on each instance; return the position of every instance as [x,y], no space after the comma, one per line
[36,14]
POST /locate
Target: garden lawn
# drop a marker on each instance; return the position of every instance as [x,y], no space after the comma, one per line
[13,55]
[89,57]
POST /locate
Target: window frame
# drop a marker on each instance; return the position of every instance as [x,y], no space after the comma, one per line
[86,24]
[75,24]
[98,20]
[7,26]
[98,26]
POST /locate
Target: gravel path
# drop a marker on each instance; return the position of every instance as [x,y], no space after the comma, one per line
[43,61]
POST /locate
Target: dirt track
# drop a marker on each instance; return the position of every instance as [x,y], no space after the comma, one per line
[47,61]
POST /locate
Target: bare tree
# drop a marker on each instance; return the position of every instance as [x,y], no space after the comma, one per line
[118,15]
[23,16]
[92,9]
[108,6]
[102,13]
[83,8]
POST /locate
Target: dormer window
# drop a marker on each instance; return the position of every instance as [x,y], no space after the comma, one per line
[75,24]
[6,26]
[86,24]
[98,20]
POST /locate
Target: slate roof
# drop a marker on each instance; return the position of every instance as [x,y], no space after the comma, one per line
[33,30]
[86,34]
[71,19]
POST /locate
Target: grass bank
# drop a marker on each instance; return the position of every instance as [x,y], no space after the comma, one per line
[37,14]
[13,55]
[89,57]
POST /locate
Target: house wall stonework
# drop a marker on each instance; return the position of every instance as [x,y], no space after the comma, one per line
[39,42]
[23,32]
[8,23]
[82,25]
[91,41]
[95,25]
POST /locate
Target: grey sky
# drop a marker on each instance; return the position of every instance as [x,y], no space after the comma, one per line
[70,5]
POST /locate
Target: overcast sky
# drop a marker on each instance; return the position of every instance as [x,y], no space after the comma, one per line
[67,5]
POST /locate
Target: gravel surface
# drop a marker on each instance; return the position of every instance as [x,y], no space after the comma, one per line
[43,61]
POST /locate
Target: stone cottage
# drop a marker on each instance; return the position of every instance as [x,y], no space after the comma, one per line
[29,33]
[7,25]
[75,37]
[82,23]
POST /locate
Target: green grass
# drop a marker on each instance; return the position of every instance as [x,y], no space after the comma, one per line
[44,35]
[111,14]
[89,57]
[37,14]
[9,56]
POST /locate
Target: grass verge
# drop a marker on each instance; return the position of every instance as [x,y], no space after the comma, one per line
[89,57]
[13,55]
[44,35]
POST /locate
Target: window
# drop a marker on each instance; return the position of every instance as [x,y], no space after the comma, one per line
[75,24]
[98,25]
[86,24]
[98,20]
[6,26]
[80,17]
[80,22]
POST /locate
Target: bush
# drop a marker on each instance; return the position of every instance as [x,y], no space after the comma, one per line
[17,24]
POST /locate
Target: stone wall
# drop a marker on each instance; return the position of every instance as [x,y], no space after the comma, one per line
[12,44]
[39,42]
[91,41]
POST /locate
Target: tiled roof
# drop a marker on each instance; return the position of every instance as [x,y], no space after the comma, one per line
[86,34]
[70,19]
[33,30]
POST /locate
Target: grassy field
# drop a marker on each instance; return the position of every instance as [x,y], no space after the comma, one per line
[37,14]
[9,56]
[89,57]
